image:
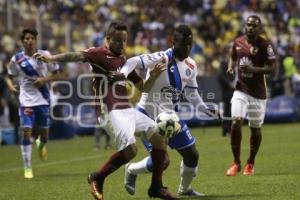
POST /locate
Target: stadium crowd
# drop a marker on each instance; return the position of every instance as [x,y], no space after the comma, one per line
[77,24]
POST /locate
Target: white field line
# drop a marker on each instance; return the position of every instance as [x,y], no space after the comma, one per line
[52,163]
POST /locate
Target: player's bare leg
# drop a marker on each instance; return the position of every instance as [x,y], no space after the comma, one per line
[96,179]
[41,143]
[255,140]
[158,155]
[26,150]
[188,171]
[236,138]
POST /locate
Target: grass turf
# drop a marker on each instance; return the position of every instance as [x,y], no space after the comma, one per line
[63,176]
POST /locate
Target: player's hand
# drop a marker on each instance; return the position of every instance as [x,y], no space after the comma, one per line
[230,72]
[42,57]
[247,68]
[157,70]
[39,82]
[115,76]
[13,88]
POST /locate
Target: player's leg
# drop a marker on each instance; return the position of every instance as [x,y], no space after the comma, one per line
[124,133]
[184,143]
[158,155]
[256,114]
[26,121]
[239,104]
[42,120]
[144,166]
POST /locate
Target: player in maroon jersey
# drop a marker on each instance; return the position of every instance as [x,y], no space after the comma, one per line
[107,61]
[254,57]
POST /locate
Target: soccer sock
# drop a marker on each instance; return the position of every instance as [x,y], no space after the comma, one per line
[158,157]
[144,166]
[115,162]
[236,138]
[187,175]
[255,140]
[26,150]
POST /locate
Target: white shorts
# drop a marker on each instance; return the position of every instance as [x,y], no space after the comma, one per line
[123,123]
[244,105]
[144,125]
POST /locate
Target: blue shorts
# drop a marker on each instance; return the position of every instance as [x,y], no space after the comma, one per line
[180,141]
[36,115]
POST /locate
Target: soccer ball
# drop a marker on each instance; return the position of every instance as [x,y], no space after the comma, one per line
[168,124]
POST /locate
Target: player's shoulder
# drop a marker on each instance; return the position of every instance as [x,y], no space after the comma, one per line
[191,63]
[264,41]
[96,50]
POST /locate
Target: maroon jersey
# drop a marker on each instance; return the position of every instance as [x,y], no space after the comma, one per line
[259,54]
[116,97]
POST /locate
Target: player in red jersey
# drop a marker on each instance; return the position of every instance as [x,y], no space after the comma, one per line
[108,60]
[254,57]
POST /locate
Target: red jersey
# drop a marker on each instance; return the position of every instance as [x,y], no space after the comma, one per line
[259,54]
[116,97]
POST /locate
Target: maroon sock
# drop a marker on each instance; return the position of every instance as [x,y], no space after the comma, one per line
[158,158]
[255,140]
[115,162]
[236,138]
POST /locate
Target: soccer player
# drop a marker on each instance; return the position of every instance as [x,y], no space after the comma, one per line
[254,57]
[108,60]
[179,78]
[34,95]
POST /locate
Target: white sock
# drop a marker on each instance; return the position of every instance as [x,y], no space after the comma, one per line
[26,151]
[139,167]
[187,175]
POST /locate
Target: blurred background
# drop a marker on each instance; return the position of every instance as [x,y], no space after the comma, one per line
[73,25]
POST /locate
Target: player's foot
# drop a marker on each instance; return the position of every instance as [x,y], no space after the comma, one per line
[129,181]
[28,173]
[191,192]
[248,170]
[96,187]
[234,169]
[161,193]
[42,150]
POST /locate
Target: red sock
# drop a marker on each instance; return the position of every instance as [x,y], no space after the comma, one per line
[255,140]
[115,162]
[236,138]
[158,158]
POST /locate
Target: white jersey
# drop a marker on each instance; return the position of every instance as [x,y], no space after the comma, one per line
[27,69]
[168,87]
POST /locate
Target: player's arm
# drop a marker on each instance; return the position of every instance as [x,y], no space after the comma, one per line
[9,78]
[54,76]
[154,74]
[231,62]
[62,57]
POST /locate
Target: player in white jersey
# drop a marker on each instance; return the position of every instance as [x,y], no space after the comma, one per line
[177,81]
[34,97]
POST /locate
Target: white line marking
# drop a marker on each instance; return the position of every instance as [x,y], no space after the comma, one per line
[53,163]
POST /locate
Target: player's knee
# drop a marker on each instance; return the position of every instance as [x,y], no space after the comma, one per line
[191,159]
[158,142]
[130,152]
[237,123]
[27,132]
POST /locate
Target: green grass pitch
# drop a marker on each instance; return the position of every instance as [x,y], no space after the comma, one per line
[63,176]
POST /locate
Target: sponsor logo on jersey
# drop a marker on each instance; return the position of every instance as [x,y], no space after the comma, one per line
[28,112]
[188,72]
[253,50]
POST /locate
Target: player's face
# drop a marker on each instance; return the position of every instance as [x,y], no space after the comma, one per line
[182,46]
[252,27]
[117,42]
[29,42]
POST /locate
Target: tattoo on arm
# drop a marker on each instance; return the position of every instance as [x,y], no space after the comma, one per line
[68,57]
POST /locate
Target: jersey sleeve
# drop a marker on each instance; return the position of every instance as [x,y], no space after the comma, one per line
[91,55]
[192,82]
[12,68]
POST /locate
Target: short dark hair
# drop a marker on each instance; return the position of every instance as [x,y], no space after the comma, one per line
[31,31]
[184,30]
[255,17]
[116,26]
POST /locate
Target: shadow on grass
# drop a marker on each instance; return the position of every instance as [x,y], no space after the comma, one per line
[219,197]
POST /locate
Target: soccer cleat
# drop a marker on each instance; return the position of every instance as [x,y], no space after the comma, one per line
[234,169]
[161,193]
[28,173]
[96,188]
[191,193]
[42,150]
[129,181]
[248,170]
